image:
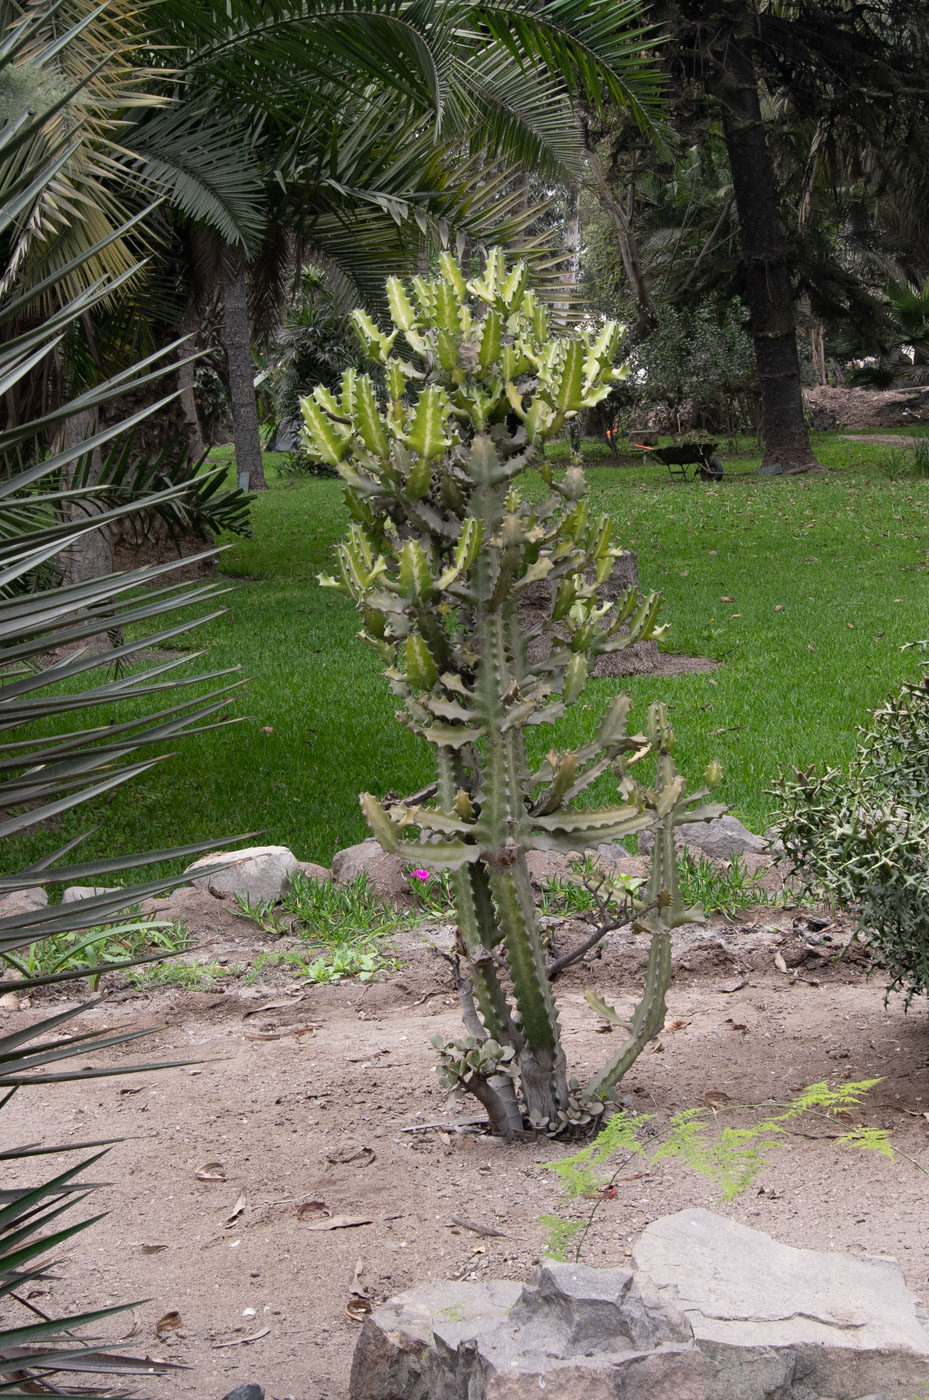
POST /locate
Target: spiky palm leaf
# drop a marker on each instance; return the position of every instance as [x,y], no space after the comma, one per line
[49,672]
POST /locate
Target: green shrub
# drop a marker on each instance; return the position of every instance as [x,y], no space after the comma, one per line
[861,837]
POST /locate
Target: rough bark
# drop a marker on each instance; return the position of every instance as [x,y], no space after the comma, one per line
[237,329]
[625,240]
[185,381]
[730,76]
[90,555]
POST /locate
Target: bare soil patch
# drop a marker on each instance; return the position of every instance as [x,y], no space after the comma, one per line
[884,439]
[851,409]
[327,1094]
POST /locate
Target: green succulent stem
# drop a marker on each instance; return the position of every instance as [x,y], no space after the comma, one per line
[443,546]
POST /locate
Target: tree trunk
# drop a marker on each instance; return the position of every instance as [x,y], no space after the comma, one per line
[730,77]
[241,371]
[185,380]
[90,555]
[625,242]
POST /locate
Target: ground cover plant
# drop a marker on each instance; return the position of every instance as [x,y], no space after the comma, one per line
[340,929]
[803,590]
[731,1158]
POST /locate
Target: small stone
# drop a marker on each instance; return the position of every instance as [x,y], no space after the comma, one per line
[312,871]
[74,893]
[255,873]
[721,838]
[246,1392]
[386,873]
[22,902]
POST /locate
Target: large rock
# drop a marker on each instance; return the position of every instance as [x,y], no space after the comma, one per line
[778,1323]
[722,838]
[386,873]
[22,902]
[256,873]
[578,1332]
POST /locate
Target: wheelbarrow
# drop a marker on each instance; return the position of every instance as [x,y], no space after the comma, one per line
[697,458]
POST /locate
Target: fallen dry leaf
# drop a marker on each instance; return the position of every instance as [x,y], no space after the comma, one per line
[735,987]
[211,1171]
[778,607]
[243,1341]
[476,1228]
[268,1006]
[340,1222]
[152,1248]
[726,599]
[351,1152]
[237,1210]
[779,962]
[312,1210]
[171,1322]
[357,1309]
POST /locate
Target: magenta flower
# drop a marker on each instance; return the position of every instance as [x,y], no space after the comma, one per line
[419,874]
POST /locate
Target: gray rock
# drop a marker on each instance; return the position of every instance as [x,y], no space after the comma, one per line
[578,1332]
[778,1323]
[550,865]
[721,838]
[246,1392]
[387,873]
[74,893]
[22,902]
[256,872]
[617,858]
[312,871]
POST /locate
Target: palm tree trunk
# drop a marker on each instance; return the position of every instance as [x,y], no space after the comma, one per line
[730,76]
[90,555]
[185,382]
[241,371]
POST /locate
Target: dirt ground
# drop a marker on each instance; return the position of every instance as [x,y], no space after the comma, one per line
[852,409]
[327,1095]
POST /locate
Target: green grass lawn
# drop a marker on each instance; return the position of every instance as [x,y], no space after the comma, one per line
[804,589]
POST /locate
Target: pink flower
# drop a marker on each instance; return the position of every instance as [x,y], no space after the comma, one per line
[419,874]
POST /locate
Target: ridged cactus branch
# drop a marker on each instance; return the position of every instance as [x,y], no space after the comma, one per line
[441,546]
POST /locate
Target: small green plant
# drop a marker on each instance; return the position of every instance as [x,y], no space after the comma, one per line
[363,963]
[433,893]
[907,462]
[191,977]
[107,944]
[731,1158]
[339,927]
[590,889]
[860,836]
[324,911]
[443,541]
[721,887]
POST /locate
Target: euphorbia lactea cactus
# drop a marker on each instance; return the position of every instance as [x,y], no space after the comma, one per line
[441,546]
